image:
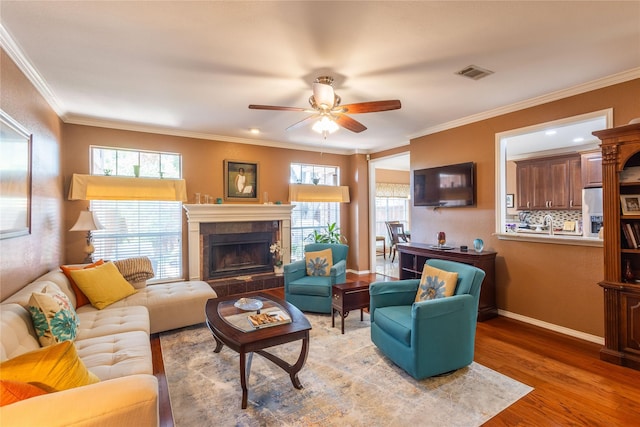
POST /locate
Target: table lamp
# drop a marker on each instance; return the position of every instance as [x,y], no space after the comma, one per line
[88,222]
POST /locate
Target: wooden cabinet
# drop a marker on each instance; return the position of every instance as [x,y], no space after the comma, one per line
[591,167]
[620,151]
[552,183]
[414,255]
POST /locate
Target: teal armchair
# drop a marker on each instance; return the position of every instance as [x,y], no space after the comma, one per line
[313,293]
[427,338]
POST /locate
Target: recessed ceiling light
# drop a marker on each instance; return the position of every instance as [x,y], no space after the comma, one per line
[578,139]
[254,131]
[550,132]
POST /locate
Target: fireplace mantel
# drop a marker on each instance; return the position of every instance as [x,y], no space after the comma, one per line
[210,213]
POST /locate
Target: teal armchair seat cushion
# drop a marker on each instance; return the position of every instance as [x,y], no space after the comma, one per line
[314,293]
[432,337]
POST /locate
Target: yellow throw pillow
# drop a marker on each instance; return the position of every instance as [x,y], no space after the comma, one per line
[319,263]
[53,316]
[53,368]
[436,283]
[103,285]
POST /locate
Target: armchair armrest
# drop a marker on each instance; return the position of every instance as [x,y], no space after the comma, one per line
[337,269]
[294,271]
[399,292]
[442,307]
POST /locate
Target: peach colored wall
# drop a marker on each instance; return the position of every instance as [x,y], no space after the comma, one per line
[24,258]
[552,283]
[393,176]
[202,162]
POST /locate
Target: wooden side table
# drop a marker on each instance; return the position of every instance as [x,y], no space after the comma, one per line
[349,296]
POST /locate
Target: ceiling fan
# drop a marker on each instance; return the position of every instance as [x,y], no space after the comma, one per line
[328,114]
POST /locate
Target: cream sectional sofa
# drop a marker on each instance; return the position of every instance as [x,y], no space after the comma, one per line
[114,345]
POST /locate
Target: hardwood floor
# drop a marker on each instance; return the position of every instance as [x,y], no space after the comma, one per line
[572,385]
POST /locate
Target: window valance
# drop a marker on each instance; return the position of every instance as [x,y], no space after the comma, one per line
[98,187]
[388,189]
[318,193]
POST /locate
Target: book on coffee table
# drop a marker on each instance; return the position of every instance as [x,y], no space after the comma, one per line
[268,318]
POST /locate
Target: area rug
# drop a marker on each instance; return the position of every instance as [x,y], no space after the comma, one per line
[346,380]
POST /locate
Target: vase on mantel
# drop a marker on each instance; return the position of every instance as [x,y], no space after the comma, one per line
[278,270]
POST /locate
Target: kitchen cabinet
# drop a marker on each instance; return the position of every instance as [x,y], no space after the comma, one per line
[621,284]
[414,255]
[551,183]
[591,167]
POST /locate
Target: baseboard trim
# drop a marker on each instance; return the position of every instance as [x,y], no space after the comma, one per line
[560,329]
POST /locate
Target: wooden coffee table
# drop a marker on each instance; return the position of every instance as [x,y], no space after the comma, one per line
[230,326]
[349,296]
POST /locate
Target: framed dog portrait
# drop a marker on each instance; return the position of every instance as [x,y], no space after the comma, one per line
[241,180]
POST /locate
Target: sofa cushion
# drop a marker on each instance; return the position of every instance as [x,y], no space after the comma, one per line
[15,391]
[54,318]
[16,332]
[436,283]
[81,298]
[319,263]
[117,355]
[103,285]
[53,368]
[395,321]
[111,320]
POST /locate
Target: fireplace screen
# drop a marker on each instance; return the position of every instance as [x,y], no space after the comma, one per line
[239,254]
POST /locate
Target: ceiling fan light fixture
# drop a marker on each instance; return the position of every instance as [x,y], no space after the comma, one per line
[325,126]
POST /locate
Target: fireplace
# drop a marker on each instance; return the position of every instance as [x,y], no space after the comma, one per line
[238,254]
[243,231]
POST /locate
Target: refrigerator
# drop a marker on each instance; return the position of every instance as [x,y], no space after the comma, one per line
[591,211]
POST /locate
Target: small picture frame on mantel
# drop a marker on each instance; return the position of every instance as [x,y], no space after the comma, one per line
[510,201]
[241,180]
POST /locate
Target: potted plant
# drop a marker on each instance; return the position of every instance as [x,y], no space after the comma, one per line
[331,235]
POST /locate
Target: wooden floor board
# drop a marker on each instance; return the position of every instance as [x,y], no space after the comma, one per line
[572,386]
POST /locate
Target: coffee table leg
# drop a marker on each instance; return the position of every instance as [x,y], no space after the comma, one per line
[245,370]
[291,369]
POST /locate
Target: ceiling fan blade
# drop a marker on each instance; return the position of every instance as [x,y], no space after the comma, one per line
[303,122]
[273,107]
[370,107]
[350,124]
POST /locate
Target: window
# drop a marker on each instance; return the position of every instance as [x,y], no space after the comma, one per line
[139,228]
[309,216]
[392,204]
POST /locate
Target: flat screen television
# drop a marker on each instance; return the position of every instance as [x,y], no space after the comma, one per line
[445,186]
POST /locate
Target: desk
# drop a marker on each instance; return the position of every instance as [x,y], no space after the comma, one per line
[414,255]
[384,246]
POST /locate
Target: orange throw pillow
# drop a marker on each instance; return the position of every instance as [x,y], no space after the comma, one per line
[15,391]
[81,298]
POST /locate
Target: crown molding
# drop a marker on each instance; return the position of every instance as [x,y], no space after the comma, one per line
[16,54]
[622,77]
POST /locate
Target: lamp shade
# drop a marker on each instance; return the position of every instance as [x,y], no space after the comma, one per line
[318,193]
[86,221]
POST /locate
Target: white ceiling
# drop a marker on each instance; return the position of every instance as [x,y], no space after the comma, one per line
[192,67]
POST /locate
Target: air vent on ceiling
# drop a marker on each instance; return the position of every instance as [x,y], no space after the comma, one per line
[474,72]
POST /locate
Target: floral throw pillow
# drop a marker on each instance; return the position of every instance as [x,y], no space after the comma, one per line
[436,283]
[54,318]
[319,263]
